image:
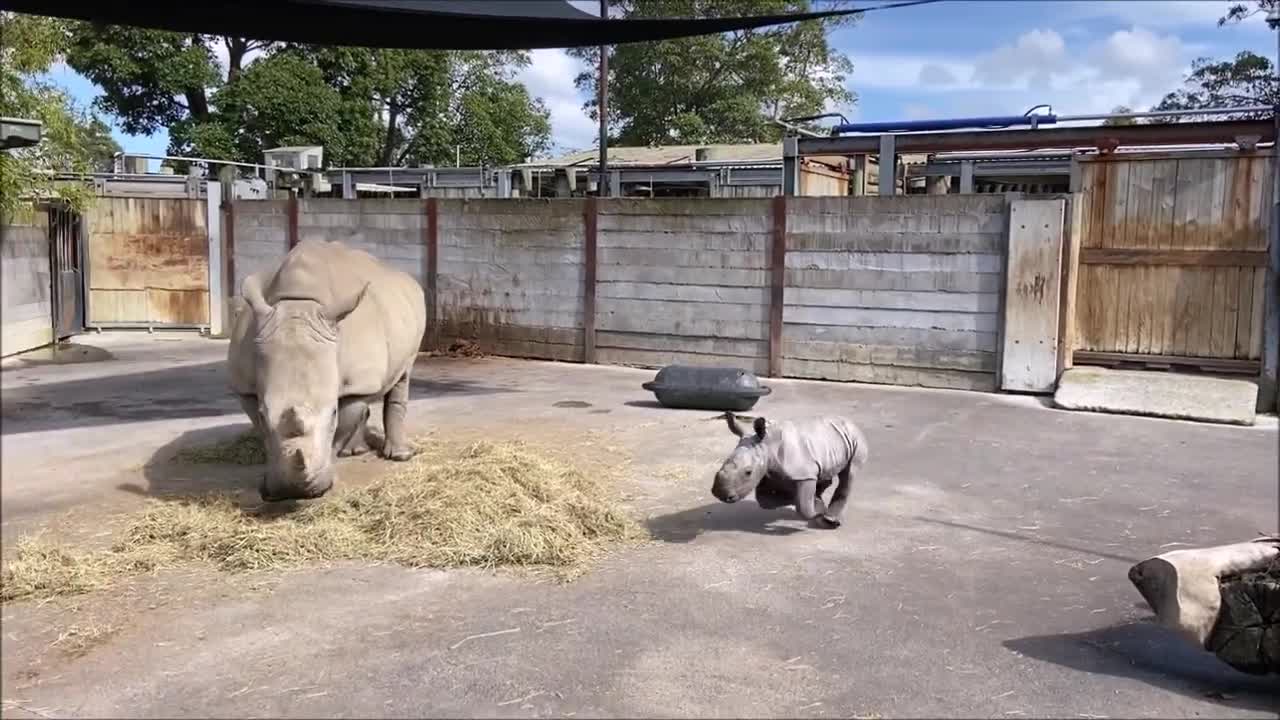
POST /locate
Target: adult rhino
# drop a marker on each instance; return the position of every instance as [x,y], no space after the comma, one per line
[326,333]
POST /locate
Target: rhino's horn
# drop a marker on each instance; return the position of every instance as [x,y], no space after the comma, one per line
[299,461]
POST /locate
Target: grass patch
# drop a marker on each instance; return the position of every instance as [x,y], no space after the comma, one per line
[485,505]
[246,449]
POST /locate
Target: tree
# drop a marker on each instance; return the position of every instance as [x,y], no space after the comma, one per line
[1248,80]
[718,88]
[365,106]
[1123,120]
[73,140]
[1239,12]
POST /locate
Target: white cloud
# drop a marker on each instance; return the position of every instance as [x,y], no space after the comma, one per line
[550,76]
[1038,53]
[935,74]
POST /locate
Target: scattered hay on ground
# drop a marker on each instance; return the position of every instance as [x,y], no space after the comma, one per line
[245,449]
[461,348]
[80,638]
[485,505]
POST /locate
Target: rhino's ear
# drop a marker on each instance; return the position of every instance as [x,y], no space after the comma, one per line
[734,427]
[251,290]
[760,426]
[344,306]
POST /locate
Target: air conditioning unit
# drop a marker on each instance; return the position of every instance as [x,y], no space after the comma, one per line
[299,157]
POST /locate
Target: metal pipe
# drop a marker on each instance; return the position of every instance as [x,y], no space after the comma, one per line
[1167,113]
[197,160]
[994,121]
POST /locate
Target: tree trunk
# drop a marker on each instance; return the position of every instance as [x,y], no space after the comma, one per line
[388,141]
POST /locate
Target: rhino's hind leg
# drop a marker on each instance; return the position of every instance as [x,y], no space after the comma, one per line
[394,407]
[349,438]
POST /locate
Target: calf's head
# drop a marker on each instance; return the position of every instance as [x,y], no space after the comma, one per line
[746,466]
[299,383]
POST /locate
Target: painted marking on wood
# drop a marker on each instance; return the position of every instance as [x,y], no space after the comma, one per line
[431,238]
[591,222]
[1197,258]
[777,290]
[1029,362]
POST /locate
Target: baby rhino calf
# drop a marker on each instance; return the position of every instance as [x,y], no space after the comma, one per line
[793,461]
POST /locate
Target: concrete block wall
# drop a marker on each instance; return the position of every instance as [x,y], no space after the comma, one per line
[683,281]
[260,238]
[391,230]
[899,290]
[511,276]
[26,305]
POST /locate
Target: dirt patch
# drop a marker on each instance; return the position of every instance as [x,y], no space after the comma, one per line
[484,505]
[459,348]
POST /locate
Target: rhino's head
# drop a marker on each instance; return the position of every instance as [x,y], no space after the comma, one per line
[746,466]
[299,383]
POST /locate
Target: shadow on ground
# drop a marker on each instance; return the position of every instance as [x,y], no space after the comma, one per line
[169,479]
[744,517]
[1150,653]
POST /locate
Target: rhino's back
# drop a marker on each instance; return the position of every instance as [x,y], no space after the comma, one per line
[818,446]
[378,340]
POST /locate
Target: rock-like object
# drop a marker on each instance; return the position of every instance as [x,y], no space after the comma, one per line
[1225,599]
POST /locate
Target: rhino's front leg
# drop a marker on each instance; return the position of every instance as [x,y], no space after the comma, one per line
[349,437]
[839,498]
[394,407]
[250,405]
[808,504]
[773,493]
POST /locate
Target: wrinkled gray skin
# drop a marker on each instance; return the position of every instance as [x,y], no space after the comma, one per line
[793,462]
[320,338]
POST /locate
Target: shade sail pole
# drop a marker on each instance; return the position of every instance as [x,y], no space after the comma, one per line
[602,188]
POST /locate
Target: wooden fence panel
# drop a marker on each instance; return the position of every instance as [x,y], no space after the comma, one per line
[1173,257]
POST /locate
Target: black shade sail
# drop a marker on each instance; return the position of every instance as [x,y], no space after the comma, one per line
[425,24]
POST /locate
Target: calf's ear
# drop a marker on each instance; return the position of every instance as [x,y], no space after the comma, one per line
[760,426]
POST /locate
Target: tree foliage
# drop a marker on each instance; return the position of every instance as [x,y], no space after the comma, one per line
[365,106]
[1239,12]
[717,88]
[73,140]
[1122,119]
[1247,80]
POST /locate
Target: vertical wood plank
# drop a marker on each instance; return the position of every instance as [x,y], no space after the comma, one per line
[1067,328]
[431,273]
[1244,320]
[1095,183]
[1116,309]
[1136,280]
[229,242]
[1257,332]
[1029,358]
[778,283]
[591,224]
[1259,204]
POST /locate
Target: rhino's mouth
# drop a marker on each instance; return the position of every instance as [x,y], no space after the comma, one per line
[310,493]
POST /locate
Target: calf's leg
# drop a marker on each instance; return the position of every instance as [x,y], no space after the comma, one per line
[839,498]
[394,407]
[772,493]
[807,503]
[249,403]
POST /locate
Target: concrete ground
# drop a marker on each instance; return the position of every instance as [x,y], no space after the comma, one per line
[981,570]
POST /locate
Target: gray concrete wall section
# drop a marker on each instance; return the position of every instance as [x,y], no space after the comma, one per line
[390,230]
[261,237]
[683,281]
[897,290]
[26,309]
[510,276]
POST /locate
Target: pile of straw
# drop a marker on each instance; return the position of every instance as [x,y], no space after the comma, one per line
[485,505]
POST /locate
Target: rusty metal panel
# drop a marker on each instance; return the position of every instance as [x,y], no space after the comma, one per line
[1171,245]
[148,262]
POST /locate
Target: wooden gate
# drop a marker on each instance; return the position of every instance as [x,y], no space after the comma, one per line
[66,277]
[1173,259]
[148,262]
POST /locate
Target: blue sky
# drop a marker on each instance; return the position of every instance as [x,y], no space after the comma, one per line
[957,58]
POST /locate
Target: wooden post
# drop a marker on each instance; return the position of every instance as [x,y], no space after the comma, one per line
[591,222]
[1070,280]
[1269,387]
[431,238]
[778,282]
[293,220]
